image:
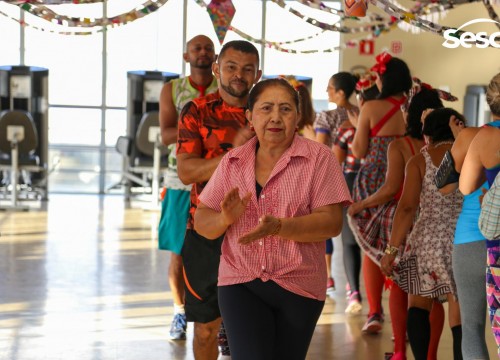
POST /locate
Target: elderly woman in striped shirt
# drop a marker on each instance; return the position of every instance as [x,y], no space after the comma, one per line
[276,198]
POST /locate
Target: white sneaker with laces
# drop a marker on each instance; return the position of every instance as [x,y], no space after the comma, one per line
[354,304]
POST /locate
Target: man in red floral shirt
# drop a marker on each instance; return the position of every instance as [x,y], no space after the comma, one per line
[208,128]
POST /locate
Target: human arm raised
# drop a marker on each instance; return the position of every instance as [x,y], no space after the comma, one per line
[211,223]
[323,222]
[168,115]
[328,194]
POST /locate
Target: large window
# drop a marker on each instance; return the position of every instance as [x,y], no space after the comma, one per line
[9,28]
[88,73]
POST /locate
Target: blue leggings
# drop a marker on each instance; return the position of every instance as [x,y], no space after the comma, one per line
[266,322]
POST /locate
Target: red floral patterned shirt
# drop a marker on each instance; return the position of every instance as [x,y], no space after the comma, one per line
[207,127]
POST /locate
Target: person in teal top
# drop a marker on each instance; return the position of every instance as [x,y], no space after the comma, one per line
[467,230]
[483,162]
[482,154]
[468,253]
[200,54]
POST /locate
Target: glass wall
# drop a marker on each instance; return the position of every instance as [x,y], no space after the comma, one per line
[9,28]
[88,73]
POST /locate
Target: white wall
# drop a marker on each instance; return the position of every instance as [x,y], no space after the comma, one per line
[433,63]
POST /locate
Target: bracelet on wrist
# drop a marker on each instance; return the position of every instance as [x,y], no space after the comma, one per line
[391,250]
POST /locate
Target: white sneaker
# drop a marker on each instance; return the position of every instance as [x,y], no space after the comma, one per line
[354,305]
[330,287]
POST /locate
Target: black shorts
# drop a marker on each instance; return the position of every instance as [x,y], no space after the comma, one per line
[201,258]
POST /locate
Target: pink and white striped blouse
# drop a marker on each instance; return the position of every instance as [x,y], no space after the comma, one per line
[306,177]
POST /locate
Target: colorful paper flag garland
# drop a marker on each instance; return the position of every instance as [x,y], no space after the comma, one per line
[414,19]
[353,43]
[52,2]
[491,12]
[51,16]
[397,12]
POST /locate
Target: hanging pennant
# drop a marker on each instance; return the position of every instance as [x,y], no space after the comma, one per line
[355,7]
[221,13]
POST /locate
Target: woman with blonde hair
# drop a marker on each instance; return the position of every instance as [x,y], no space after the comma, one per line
[482,163]
[468,248]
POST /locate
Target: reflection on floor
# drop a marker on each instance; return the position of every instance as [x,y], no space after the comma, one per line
[83,279]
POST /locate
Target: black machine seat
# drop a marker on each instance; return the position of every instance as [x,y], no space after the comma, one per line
[15,120]
[138,153]
[145,141]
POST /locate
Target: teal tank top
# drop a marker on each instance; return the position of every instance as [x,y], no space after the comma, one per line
[467,229]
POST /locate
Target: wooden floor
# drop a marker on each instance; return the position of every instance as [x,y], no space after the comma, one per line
[83,279]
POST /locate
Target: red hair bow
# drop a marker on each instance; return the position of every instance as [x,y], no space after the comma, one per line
[362,84]
[365,83]
[382,59]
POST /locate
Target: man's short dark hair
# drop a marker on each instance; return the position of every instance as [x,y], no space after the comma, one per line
[239,45]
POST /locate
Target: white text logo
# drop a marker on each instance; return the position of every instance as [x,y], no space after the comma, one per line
[467,39]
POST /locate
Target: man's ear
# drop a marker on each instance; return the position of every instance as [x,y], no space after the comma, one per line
[185,56]
[259,75]
[215,69]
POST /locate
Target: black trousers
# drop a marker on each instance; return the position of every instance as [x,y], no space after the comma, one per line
[264,321]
